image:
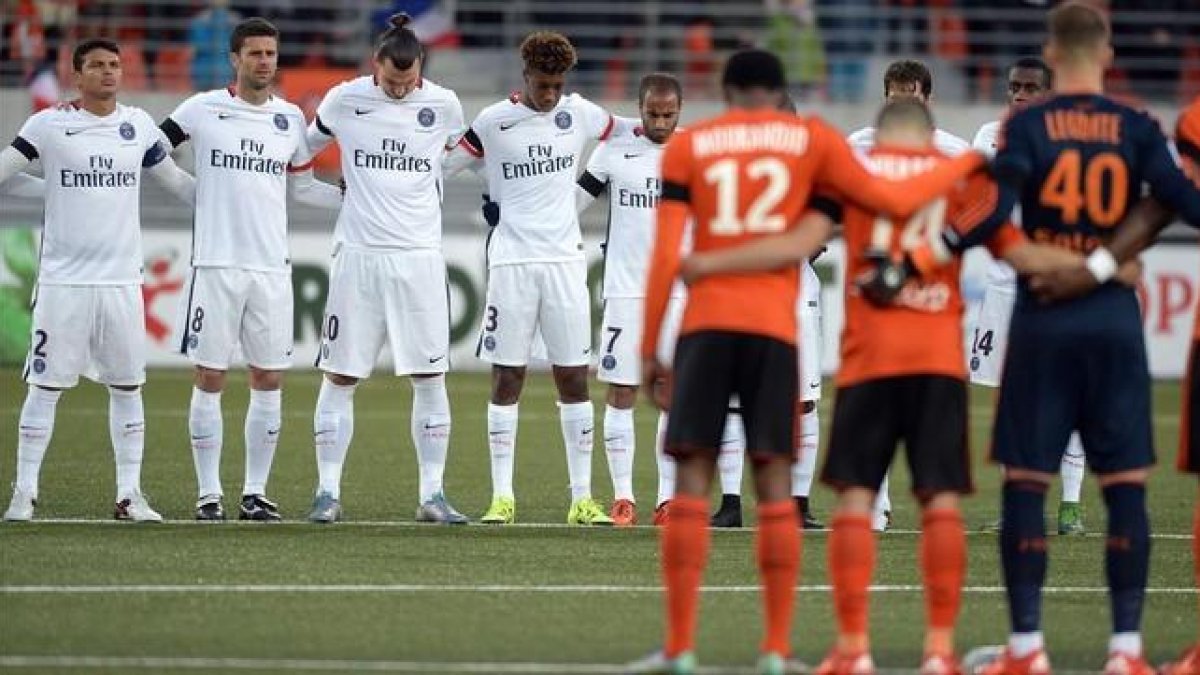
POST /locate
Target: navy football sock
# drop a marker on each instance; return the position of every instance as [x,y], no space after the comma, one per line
[1127,553]
[1023,552]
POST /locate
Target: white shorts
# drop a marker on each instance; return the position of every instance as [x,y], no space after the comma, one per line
[395,295]
[809,319]
[989,339]
[620,342]
[225,307]
[524,297]
[95,331]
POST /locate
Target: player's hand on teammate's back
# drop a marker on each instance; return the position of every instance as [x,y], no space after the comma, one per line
[491,211]
[656,383]
[882,282]
[1063,285]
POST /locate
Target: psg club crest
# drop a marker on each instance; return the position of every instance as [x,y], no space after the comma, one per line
[426,117]
[281,122]
[127,131]
[489,343]
[193,341]
[563,119]
[39,366]
[608,362]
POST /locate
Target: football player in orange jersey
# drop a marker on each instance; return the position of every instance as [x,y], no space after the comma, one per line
[902,369]
[743,175]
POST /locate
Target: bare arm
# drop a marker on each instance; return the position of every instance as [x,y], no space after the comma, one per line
[306,189]
[764,254]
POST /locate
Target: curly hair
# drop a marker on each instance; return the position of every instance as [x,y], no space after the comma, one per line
[548,52]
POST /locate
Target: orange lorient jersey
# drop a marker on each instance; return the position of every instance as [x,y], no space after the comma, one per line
[922,333]
[1187,140]
[747,174]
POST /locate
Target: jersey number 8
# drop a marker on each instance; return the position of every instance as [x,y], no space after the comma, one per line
[759,218]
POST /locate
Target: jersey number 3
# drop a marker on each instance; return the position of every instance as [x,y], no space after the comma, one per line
[759,218]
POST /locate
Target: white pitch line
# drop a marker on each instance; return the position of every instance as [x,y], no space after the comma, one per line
[499,588]
[407,524]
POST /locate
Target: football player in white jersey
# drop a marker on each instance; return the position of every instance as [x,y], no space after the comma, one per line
[531,145]
[1028,78]
[903,79]
[251,152]
[627,167]
[393,128]
[730,461]
[88,316]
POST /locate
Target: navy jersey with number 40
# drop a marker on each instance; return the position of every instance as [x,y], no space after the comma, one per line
[1079,162]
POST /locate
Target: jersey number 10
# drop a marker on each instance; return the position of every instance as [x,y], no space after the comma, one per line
[759,218]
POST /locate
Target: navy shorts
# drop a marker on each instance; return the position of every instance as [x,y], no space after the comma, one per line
[1079,365]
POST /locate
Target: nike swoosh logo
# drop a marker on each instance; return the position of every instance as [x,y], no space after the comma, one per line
[361,111]
[586,432]
[437,358]
[202,438]
[272,432]
[72,132]
[506,127]
[223,116]
[497,433]
[629,156]
[436,426]
[814,384]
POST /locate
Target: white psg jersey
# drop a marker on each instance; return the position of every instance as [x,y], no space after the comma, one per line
[999,273]
[532,159]
[243,153]
[946,142]
[392,151]
[93,169]
[630,166]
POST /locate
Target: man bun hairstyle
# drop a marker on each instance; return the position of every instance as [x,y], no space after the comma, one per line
[659,83]
[548,52]
[255,26]
[754,68]
[399,44]
[82,49]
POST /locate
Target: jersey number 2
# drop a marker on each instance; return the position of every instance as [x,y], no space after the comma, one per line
[759,217]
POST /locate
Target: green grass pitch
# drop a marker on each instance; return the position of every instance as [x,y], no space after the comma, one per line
[387,595]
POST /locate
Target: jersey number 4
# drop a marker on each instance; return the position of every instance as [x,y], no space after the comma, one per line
[1073,188]
[759,218]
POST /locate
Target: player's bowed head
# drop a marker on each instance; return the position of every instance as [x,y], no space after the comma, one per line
[398,58]
[547,57]
[660,100]
[754,78]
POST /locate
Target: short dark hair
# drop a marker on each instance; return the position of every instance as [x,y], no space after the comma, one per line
[82,49]
[255,26]
[908,71]
[659,83]
[1077,25]
[1034,63]
[399,44]
[906,110]
[751,68]
[548,52]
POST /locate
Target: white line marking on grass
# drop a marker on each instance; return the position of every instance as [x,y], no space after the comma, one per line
[345,665]
[405,524]
[499,588]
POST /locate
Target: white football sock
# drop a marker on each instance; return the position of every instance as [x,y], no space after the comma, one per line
[262,436]
[1126,643]
[1024,644]
[619,446]
[502,445]
[35,429]
[806,460]
[1071,470]
[333,427]
[207,433]
[666,463]
[430,432]
[578,425]
[883,502]
[127,429]
[732,453]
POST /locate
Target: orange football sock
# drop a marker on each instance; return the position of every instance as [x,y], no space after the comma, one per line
[944,564]
[851,564]
[684,553]
[777,544]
